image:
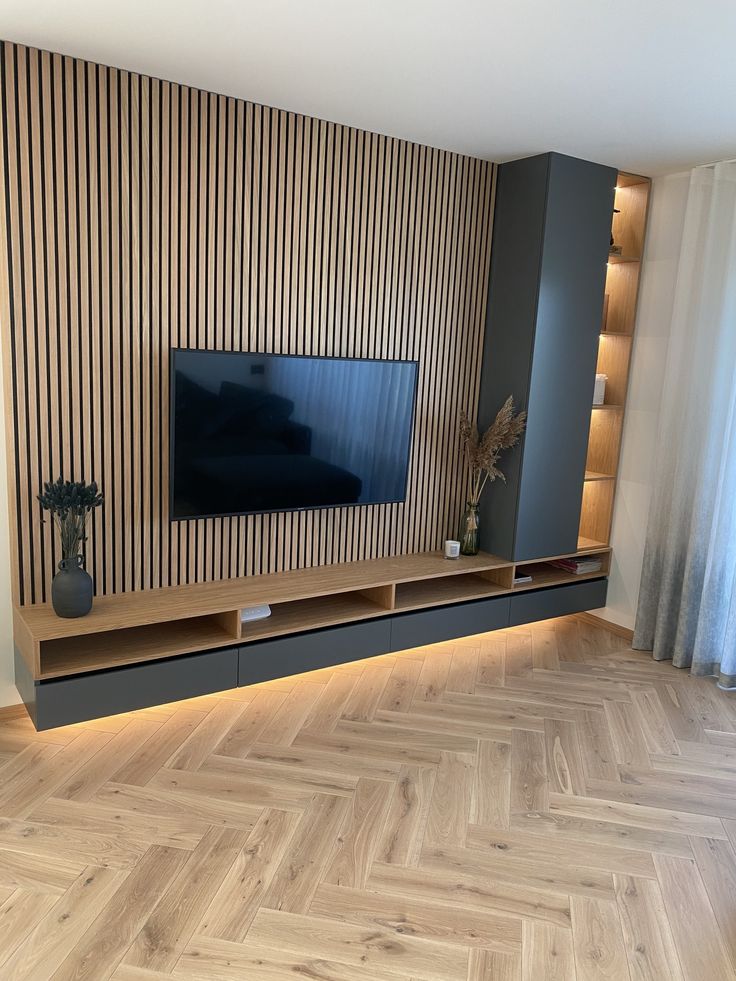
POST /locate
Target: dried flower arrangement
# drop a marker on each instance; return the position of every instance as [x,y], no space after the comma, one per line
[70,503]
[481,455]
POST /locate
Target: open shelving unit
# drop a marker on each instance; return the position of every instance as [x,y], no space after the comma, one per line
[614,358]
[545,573]
[135,628]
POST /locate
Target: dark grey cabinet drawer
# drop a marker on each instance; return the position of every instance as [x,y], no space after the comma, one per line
[284,656]
[95,695]
[447,622]
[557,601]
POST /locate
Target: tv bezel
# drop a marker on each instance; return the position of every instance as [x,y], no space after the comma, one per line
[258,354]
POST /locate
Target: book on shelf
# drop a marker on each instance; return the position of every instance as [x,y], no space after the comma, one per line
[521,579]
[578,567]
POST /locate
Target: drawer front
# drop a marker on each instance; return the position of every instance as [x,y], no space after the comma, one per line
[447,622]
[558,601]
[93,696]
[284,656]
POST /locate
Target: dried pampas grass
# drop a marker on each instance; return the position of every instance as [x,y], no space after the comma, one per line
[482,453]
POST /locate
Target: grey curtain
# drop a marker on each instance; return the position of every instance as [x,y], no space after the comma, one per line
[687,600]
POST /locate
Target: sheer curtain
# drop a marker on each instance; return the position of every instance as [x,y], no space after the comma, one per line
[687,601]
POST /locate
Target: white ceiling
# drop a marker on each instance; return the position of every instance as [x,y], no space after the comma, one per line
[648,86]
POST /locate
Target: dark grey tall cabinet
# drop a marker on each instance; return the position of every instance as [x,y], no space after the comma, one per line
[552,227]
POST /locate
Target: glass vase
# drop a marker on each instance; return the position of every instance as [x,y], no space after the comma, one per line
[469,529]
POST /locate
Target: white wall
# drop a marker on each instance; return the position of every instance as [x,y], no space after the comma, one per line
[8,692]
[659,271]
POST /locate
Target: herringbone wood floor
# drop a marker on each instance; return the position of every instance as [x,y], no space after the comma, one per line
[537,804]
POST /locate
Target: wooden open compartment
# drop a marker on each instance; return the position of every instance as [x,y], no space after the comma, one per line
[622,284]
[596,513]
[454,588]
[148,625]
[320,611]
[68,655]
[614,360]
[629,225]
[140,627]
[604,442]
[614,355]
[543,573]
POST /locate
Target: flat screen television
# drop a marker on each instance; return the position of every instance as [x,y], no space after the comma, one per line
[252,433]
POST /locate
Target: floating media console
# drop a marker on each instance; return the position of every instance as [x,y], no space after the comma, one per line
[140,649]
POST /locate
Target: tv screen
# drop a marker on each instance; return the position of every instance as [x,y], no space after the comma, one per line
[271,432]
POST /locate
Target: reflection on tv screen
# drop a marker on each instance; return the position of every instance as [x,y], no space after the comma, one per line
[255,432]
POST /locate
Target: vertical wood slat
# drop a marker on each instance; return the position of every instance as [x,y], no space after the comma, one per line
[141,215]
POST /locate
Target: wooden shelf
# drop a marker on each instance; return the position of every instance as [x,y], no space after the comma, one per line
[311,614]
[436,592]
[163,623]
[614,358]
[116,648]
[590,545]
[630,180]
[544,574]
[136,627]
[596,514]
[178,602]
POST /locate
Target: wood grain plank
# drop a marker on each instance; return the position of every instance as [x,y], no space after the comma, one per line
[640,816]
[650,947]
[654,723]
[497,866]
[400,690]
[699,941]
[154,753]
[597,939]
[290,715]
[546,952]
[171,925]
[449,806]
[364,699]
[491,965]
[314,845]
[716,863]
[49,841]
[328,707]
[25,789]
[419,918]
[529,782]
[208,959]
[407,816]
[251,723]
[359,946]
[82,785]
[101,948]
[474,891]
[20,911]
[561,850]
[361,836]
[243,889]
[491,801]
[207,735]
[57,935]
[564,758]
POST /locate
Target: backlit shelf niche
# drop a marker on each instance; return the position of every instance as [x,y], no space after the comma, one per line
[614,357]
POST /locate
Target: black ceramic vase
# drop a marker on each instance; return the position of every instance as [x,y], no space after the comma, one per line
[71,590]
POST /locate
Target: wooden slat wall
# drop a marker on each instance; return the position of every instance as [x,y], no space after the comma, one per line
[141,215]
